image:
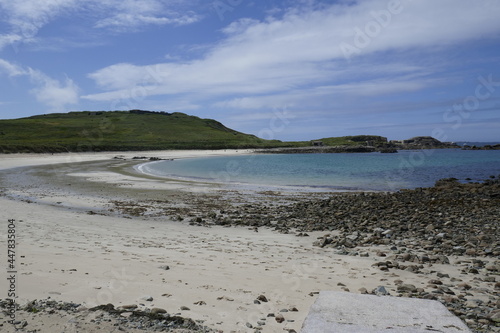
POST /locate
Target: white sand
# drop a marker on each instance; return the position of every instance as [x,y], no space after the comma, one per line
[68,255]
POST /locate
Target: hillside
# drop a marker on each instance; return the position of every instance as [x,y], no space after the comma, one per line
[370,140]
[120,131]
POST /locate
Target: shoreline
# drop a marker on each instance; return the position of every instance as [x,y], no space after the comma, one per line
[94,233]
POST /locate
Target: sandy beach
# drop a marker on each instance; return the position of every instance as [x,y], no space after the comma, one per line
[91,230]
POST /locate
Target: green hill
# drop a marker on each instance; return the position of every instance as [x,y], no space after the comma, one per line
[356,140]
[120,131]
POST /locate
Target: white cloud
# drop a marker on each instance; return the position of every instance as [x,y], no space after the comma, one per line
[27,17]
[11,69]
[52,92]
[49,91]
[133,14]
[303,49]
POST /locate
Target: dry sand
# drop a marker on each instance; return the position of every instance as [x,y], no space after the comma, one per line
[65,253]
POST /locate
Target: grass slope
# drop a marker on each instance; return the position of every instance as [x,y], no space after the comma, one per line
[355,140]
[120,131]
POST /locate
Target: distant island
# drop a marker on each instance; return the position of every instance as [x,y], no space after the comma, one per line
[139,130]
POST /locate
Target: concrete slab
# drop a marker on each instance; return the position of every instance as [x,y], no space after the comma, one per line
[341,312]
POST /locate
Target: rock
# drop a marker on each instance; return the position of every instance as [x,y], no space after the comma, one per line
[249,325]
[185,308]
[463,286]
[492,268]
[279,318]
[494,316]
[128,307]
[158,310]
[436,282]
[471,304]
[165,267]
[262,298]
[489,279]
[407,288]
[380,291]
[388,233]
[147,298]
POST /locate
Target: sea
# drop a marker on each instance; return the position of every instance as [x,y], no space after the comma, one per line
[406,169]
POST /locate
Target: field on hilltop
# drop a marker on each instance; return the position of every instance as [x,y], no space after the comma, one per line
[120,131]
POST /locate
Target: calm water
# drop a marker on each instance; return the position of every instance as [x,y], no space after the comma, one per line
[367,171]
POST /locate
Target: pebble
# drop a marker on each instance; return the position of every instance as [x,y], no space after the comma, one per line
[380,291]
[158,310]
[262,298]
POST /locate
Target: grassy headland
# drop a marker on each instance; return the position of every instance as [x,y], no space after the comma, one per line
[137,130]
[120,131]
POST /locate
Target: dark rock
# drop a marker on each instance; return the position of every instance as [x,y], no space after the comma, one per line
[262,298]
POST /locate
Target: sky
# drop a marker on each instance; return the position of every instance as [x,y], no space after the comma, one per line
[278,69]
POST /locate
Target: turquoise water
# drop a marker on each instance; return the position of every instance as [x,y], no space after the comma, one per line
[364,171]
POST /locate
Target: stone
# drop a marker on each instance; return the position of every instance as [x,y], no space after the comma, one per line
[126,314]
[492,268]
[158,310]
[279,318]
[463,286]
[363,290]
[147,298]
[185,308]
[380,291]
[262,298]
[407,288]
[354,313]
[436,282]
[494,316]
[471,304]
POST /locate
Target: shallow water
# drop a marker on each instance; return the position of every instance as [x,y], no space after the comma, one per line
[363,171]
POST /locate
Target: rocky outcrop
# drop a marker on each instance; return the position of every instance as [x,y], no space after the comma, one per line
[485,147]
[422,142]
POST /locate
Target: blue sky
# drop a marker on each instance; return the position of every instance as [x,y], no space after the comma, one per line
[279,69]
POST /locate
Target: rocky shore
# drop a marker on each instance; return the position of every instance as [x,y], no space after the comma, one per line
[226,247]
[421,228]
[77,318]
